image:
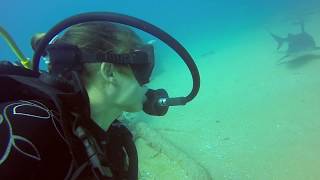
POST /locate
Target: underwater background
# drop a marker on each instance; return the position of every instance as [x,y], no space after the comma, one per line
[253,117]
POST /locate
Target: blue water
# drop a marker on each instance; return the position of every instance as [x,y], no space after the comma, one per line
[186,20]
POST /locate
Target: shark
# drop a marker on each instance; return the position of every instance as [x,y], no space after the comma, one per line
[298,44]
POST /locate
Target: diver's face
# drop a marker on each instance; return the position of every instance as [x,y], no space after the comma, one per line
[129,96]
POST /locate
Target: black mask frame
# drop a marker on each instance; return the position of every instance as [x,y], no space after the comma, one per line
[67,57]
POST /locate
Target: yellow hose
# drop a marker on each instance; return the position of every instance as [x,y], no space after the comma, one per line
[24,61]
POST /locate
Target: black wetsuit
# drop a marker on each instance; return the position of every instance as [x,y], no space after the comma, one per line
[33,145]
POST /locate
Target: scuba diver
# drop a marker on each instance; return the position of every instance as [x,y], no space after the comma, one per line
[62,124]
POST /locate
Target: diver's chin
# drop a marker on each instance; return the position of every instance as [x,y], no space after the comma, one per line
[136,108]
[140,108]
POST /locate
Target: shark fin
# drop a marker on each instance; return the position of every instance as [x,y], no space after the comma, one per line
[279,40]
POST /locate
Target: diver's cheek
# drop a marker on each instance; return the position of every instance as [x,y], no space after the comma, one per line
[137,99]
[144,99]
[144,91]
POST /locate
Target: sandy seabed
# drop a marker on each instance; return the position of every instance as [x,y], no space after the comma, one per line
[252,119]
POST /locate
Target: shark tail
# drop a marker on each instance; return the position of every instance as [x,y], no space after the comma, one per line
[279,40]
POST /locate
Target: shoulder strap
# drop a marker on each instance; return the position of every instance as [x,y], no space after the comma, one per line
[8,68]
[20,83]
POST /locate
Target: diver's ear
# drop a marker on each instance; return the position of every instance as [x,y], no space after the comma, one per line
[108,70]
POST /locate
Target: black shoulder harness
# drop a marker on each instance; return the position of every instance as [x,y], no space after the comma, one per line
[21,83]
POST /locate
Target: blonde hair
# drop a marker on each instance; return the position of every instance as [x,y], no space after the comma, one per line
[101,36]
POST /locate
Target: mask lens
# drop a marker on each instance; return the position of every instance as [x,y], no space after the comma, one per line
[143,71]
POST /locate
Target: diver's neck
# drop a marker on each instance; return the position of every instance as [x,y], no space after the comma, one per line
[104,117]
[103,111]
